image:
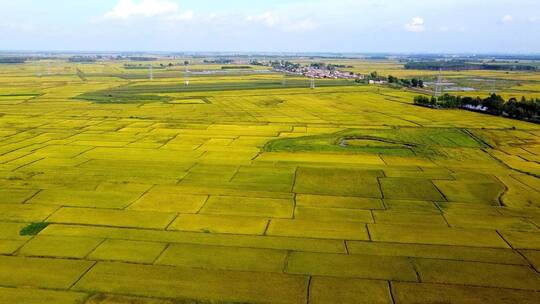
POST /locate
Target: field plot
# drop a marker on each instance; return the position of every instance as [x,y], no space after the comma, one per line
[243,189]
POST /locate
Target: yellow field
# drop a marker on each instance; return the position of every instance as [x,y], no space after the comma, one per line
[342,194]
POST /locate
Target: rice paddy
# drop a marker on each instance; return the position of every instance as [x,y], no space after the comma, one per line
[244,187]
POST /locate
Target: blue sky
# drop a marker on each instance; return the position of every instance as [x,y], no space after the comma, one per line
[455,26]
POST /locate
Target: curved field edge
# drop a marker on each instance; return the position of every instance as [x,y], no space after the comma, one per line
[396,141]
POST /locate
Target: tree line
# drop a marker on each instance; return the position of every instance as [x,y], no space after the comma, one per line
[527,109]
[403,82]
[12,60]
[409,83]
[458,65]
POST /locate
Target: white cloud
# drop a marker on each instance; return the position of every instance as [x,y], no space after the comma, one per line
[275,20]
[507,19]
[416,25]
[301,26]
[269,19]
[19,27]
[126,9]
[186,16]
[444,28]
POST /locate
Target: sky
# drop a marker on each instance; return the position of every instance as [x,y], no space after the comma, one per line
[341,26]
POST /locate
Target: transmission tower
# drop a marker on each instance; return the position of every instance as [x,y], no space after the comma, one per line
[312,83]
[38,70]
[186,73]
[439,87]
[151,71]
[493,91]
[284,80]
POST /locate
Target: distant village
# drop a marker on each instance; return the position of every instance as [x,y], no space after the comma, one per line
[316,70]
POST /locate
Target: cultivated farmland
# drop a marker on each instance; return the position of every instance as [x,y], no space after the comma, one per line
[247,187]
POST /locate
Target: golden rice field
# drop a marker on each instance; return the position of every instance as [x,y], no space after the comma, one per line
[118,189]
